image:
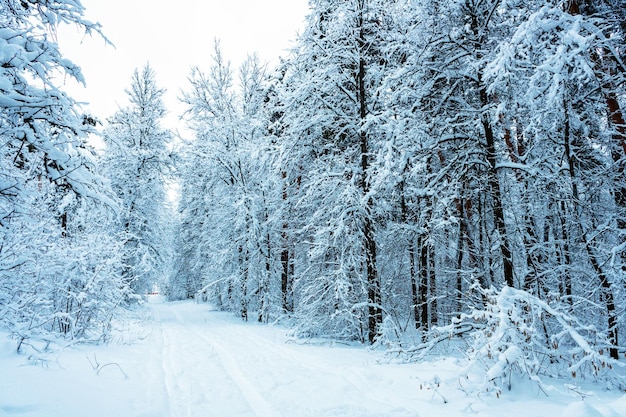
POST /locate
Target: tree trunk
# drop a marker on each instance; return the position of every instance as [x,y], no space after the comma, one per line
[423,283]
[243,284]
[375,313]
[486,277]
[286,285]
[404,220]
[459,257]
[564,255]
[494,187]
[432,287]
[605,283]
[415,291]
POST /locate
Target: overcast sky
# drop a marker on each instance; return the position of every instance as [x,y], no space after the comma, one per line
[173,36]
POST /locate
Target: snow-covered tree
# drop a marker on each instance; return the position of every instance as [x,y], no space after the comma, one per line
[333,131]
[228,236]
[517,110]
[56,258]
[137,162]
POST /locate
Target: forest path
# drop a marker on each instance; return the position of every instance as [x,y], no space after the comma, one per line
[212,364]
[189,361]
[200,376]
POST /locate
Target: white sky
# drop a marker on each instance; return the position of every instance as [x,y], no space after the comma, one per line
[173,36]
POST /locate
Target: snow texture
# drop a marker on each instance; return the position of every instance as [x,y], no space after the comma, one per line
[189,361]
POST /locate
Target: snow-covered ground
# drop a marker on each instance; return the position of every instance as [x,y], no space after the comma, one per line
[190,361]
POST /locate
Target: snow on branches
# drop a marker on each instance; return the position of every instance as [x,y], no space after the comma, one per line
[514,334]
[57,261]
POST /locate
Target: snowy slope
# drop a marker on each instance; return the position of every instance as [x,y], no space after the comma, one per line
[195,362]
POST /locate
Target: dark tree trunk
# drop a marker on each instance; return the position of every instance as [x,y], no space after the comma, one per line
[605,283]
[485,245]
[432,287]
[564,252]
[463,235]
[423,284]
[494,188]
[375,313]
[243,284]
[530,240]
[478,29]
[285,273]
[286,285]
[404,219]
[415,292]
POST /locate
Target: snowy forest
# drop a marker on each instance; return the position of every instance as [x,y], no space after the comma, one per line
[415,175]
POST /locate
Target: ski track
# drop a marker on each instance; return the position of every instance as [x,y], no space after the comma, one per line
[195,367]
[214,365]
[190,361]
[308,364]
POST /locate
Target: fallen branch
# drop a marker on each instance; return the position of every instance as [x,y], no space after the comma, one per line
[97,367]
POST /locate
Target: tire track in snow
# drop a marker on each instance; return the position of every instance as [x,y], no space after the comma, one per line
[254,369]
[261,407]
[185,386]
[255,400]
[354,379]
[168,378]
[306,363]
[176,395]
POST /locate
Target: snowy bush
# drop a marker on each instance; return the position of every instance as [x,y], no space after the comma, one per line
[60,282]
[329,307]
[522,334]
[516,334]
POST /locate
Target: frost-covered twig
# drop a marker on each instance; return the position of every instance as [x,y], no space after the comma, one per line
[433,339]
[518,333]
